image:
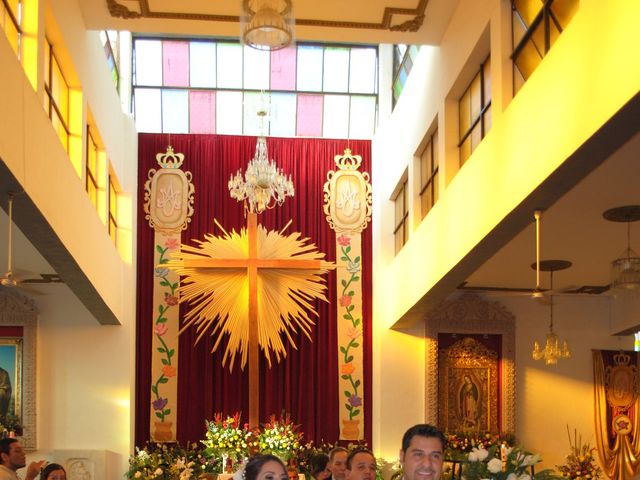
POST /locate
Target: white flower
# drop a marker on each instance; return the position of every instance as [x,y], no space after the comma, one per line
[481,453]
[507,450]
[158,472]
[473,456]
[137,475]
[512,476]
[494,465]
[530,460]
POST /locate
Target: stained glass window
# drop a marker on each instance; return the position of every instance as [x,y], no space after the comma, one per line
[209,86]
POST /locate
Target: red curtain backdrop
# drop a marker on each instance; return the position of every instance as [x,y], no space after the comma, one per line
[305,384]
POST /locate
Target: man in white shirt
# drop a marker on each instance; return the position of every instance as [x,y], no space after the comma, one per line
[12,458]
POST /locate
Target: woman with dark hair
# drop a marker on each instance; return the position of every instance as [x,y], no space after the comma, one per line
[265,467]
[318,466]
[53,471]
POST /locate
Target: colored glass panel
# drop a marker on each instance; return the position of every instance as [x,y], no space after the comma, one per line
[336,116]
[283,115]
[175,64]
[336,70]
[254,124]
[309,70]
[309,113]
[148,110]
[283,69]
[175,111]
[202,64]
[362,116]
[229,65]
[229,113]
[202,112]
[256,69]
[148,62]
[363,76]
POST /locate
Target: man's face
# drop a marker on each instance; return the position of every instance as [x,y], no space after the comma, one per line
[15,459]
[363,467]
[423,459]
[338,465]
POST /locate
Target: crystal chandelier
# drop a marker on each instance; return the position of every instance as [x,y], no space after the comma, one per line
[266,24]
[625,270]
[553,349]
[264,185]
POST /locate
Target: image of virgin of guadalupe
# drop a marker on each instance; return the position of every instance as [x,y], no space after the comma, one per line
[468,403]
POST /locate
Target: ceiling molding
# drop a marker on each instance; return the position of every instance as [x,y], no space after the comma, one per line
[118,10]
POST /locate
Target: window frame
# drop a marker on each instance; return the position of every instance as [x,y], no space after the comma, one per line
[112,216]
[16,22]
[429,184]
[545,16]
[484,107]
[51,101]
[351,95]
[401,224]
[91,179]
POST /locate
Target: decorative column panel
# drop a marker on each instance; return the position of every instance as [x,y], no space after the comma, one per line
[347,205]
[168,207]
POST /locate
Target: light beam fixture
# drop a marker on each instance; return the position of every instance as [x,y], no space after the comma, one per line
[267,24]
[264,185]
[625,270]
[553,349]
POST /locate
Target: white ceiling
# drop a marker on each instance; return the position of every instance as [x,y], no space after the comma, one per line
[573,229]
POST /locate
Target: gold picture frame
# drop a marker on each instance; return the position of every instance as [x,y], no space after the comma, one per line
[11,377]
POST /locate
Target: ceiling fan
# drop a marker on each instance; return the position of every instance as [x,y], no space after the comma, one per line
[14,278]
[539,292]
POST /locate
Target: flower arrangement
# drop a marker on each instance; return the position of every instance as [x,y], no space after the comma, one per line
[580,463]
[10,423]
[226,437]
[169,462]
[515,464]
[459,444]
[280,437]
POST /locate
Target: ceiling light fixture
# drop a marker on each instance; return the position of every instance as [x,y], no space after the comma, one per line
[625,270]
[267,24]
[553,349]
[264,185]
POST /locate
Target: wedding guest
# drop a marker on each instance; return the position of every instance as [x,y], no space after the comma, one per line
[361,465]
[338,463]
[264,467]
[318,465]
[53,471]
[12,458]
[422,453]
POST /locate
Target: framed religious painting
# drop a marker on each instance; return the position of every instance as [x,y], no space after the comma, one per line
[470,374]
[10,379]
[18,334]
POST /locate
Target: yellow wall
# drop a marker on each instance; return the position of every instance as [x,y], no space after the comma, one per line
[583,81]
[85,370]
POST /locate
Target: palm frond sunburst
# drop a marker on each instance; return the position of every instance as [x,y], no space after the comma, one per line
[216,284]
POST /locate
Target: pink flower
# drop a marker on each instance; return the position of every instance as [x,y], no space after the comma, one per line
[172,243]
[344,240]
[353,333]
[160,329]
[345,300]
[170,299]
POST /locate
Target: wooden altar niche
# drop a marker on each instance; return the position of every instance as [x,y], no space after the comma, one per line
[472,317]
